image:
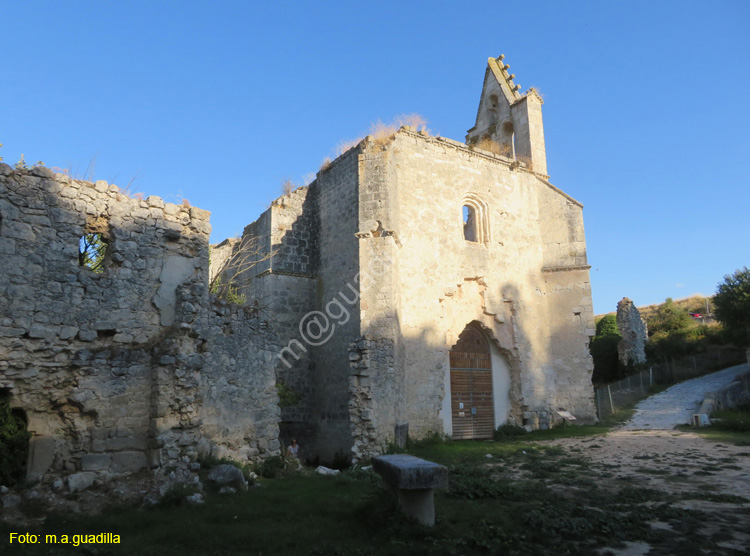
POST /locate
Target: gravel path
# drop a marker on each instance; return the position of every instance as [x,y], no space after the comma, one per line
[676,405]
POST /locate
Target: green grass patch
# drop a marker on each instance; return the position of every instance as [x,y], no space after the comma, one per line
[736,419]
[711,432]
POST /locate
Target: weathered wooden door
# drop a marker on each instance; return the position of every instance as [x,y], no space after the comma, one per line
[472,406]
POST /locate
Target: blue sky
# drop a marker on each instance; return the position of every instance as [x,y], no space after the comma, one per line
[646,107]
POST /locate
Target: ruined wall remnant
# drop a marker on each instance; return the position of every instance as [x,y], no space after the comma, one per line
[130,366]
[631,350]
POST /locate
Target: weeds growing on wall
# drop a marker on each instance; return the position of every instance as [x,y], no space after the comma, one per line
[382,132]
[247,253]
[14,443]
[227,292]
[487,144]
[287,396]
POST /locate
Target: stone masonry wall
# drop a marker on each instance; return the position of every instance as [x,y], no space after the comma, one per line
[283,287]
[338,201]
[631,350]
[119,371]
[437,283]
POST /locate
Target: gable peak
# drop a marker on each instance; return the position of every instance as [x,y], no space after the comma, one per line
[500,70]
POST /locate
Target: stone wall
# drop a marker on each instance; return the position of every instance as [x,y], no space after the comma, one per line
[733,395]
[133,367]
[282,285]
[339,199]
[631,350]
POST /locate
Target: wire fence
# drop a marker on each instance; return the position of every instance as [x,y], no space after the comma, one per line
[632,389]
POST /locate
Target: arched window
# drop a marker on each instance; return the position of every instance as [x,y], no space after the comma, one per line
[474,216]
[470,220]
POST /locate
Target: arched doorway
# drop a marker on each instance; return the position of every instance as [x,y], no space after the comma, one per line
[472,405]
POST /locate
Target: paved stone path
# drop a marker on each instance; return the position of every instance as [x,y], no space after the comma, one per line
[676,405]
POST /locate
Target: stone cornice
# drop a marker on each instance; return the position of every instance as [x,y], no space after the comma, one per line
[566,268]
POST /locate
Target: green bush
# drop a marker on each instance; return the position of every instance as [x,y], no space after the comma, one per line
[732,305]
[14,443]
[271,467]
[735,419]
[176,496]
[603,350]
[287,396]
[508,431]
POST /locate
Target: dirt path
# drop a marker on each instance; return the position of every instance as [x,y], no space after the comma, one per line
[704,475]
[711,477]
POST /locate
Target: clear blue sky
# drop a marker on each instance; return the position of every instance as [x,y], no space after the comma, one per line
[646,107]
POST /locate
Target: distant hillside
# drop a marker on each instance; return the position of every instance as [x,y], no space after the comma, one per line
[693,304]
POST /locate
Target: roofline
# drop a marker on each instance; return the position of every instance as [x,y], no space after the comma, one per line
[488,155]
[560,191]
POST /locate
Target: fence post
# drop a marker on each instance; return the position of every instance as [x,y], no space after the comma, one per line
[650,376]
[598,403]
[611,403]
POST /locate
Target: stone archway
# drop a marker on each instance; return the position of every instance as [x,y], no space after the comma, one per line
[471,387]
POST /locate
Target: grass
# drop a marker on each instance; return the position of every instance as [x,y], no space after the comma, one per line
[731,426]
[484,511]
[527,499]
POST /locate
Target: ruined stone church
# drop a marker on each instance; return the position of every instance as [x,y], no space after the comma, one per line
[425,285]
[418,285]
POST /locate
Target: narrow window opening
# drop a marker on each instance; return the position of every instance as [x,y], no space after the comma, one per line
[92,249]
[470,223]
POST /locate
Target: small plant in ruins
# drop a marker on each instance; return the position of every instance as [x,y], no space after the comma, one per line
[487,144]
[247,253]
[287,396]
[287,187]
[382,132]
[227,292]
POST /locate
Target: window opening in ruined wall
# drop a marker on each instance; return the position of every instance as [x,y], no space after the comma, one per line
[474,214]
[92,249]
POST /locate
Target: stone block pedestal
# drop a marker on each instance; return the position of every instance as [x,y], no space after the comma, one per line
[413,481]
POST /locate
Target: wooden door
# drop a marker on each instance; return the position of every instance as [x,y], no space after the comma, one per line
[472,406]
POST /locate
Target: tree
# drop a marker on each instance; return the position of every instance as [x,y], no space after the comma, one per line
[92,247]
[604,350]
[732,305]
[669,318]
